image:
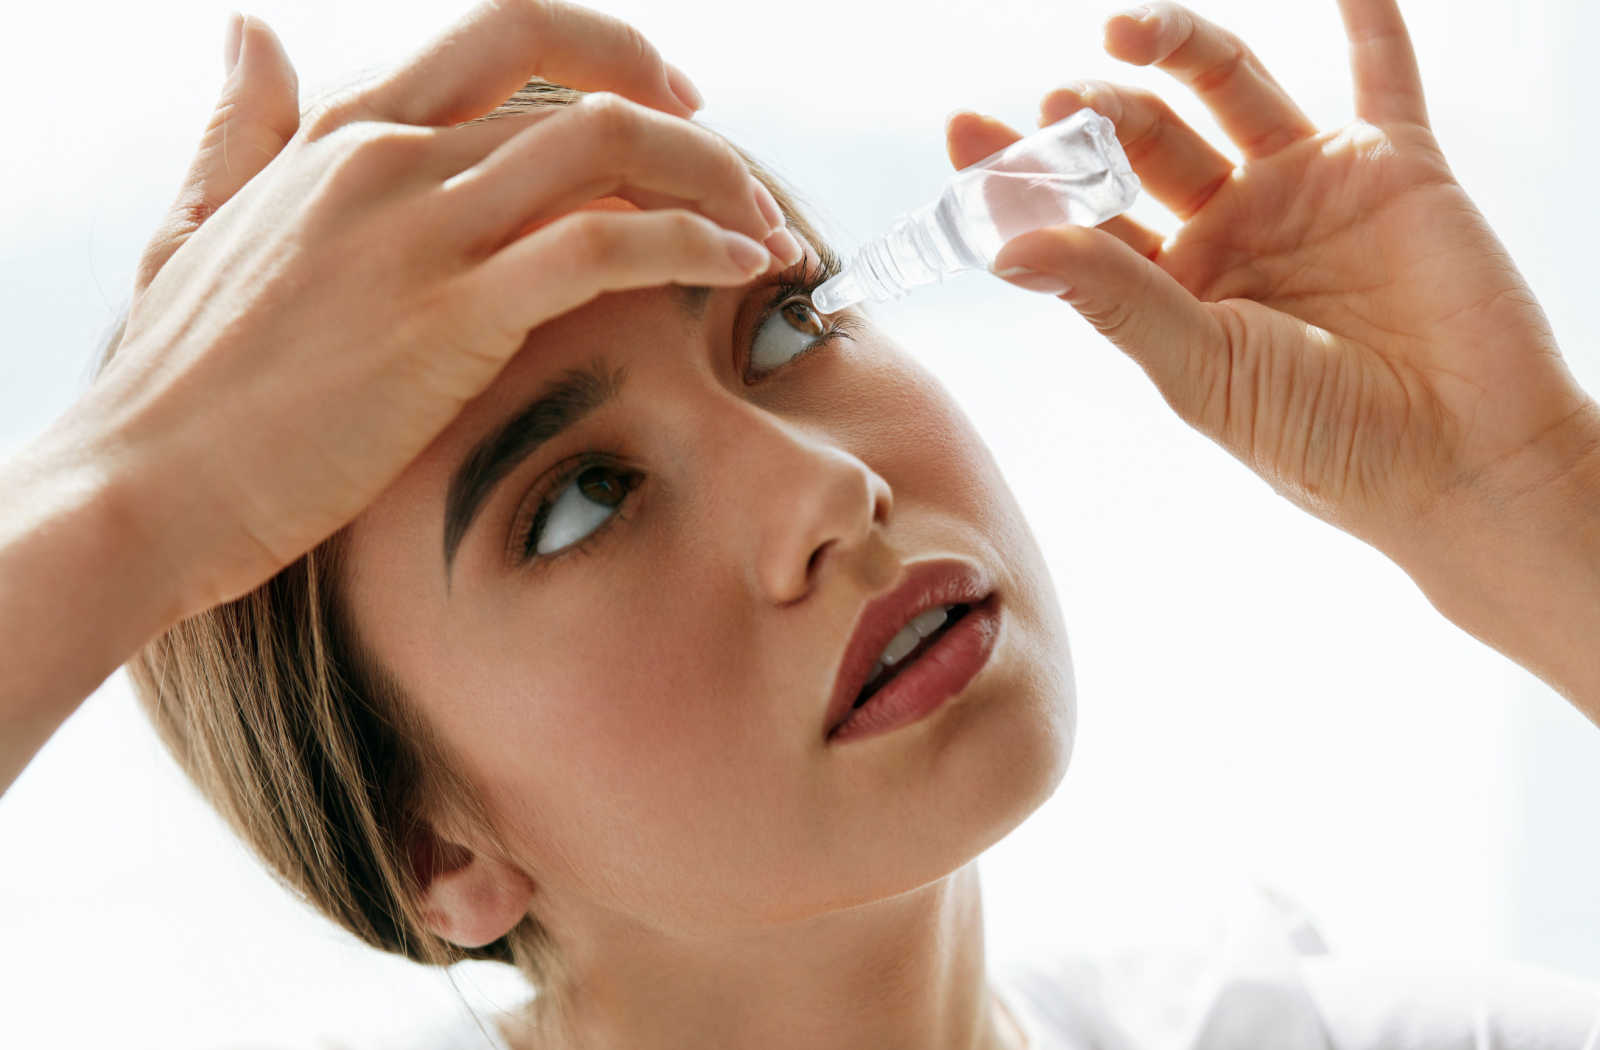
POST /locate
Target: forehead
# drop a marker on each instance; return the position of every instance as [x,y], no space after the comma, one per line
[613,325]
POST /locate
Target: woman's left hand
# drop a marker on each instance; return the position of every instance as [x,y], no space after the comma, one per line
[1334,310]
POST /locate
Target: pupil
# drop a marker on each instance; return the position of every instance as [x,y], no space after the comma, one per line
[812,323]
[607,492]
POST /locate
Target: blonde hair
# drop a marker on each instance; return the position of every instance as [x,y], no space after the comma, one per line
[307,746]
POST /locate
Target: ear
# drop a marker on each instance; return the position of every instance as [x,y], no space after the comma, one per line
[469,897]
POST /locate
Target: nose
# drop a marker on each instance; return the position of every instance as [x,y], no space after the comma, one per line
[807,501]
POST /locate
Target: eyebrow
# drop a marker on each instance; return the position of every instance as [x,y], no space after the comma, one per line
[558,406]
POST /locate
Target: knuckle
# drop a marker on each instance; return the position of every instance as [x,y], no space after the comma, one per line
[366,150]
[1141,132]
[594,241]
[398,144]
[1204,192]
[732,165]
[328,114]
[1221,69]
[193,208]
[685,227]
[624,40]
[317,119]
[539,17]
[608,117]
[640,52]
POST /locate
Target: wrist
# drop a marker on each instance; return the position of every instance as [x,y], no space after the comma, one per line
[86,496]
[78,596]
[1516,563]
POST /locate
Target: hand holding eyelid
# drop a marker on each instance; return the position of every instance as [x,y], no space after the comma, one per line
[388,269]
[1333,311]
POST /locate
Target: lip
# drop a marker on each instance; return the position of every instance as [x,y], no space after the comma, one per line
[944,581]
[938,673]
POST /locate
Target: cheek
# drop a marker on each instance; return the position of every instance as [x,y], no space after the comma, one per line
[922,433]
[618,693]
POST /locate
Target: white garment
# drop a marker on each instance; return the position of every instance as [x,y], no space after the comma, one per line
[1264,982]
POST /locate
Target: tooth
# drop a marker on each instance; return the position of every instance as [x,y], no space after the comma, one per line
[900,645]
[930,621]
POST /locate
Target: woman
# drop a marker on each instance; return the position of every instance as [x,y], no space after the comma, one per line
[389,649]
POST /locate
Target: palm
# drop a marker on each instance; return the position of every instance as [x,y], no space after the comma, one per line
[1356,333]
[1428,360]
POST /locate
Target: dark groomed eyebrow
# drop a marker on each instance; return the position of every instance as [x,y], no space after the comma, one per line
[559,405]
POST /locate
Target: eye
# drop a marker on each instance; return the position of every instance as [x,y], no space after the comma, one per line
[794,328]
[580,505]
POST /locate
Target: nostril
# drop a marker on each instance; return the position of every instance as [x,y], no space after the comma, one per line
[816,555]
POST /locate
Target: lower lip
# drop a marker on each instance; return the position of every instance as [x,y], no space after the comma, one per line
[932,678]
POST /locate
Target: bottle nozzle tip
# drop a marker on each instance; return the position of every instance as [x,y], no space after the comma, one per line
[838,292]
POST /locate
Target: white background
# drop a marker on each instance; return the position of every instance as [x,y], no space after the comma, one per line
[1261,696]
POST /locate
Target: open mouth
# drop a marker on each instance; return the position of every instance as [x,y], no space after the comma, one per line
[885,675]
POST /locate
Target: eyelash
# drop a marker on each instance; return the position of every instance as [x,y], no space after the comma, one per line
[800,286]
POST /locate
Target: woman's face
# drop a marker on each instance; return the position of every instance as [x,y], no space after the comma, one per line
[643,709]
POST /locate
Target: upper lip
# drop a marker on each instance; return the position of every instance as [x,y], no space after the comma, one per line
[922,586]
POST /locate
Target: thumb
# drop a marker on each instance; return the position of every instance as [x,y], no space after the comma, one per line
[257,114]
[1179,341]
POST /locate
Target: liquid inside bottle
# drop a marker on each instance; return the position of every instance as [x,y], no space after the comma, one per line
[1072,171]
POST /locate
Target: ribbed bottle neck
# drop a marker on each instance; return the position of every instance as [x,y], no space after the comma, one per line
[903,258]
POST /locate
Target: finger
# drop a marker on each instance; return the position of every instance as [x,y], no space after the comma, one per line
[1175,164]
[1175,338]
[602,146]
[1257,114]
[584,254]
[970,137]
[1383,63]
[499,45]
[459,148]
[256,115]
[1134,234]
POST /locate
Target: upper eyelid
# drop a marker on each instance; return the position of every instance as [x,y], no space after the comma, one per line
[560,475]
[785,289]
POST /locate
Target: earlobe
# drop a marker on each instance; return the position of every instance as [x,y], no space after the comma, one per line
[469,898]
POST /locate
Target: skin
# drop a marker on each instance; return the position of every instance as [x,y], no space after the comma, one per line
[644,720]
[1332,310]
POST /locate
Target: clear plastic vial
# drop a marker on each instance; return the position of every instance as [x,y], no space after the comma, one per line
[1071,171]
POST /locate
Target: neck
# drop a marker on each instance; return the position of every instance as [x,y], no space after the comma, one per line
[904,972]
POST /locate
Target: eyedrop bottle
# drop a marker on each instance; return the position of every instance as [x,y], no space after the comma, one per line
[1071,171]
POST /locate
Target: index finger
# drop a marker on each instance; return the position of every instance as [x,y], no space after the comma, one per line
[500,44]
[1383,63]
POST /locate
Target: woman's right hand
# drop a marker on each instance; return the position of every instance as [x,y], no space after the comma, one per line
[328,294]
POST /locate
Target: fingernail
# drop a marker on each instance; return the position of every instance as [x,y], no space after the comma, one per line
[231,39]
[746,254]
[1034,281]
[769,207]
[684,88]
[1142,13]
[785,248]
